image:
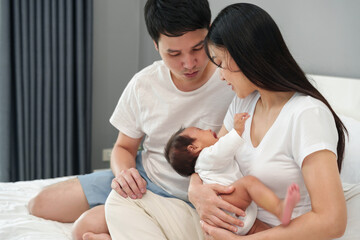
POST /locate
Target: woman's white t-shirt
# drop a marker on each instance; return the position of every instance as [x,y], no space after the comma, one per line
[153,107]
[304,125]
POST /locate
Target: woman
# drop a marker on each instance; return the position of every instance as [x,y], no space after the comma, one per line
[293,134]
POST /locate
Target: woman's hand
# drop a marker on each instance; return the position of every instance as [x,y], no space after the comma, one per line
[214,233]
[210,206]
[129,183]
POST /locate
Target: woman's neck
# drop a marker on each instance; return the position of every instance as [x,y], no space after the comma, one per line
[270,100]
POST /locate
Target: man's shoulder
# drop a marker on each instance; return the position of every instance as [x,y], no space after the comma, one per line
[154,69]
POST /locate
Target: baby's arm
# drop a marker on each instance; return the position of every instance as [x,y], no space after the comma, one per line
[239,122]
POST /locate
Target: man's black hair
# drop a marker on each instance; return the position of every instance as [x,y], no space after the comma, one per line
[174,18]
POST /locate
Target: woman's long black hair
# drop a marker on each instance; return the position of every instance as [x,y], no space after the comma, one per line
[254,41]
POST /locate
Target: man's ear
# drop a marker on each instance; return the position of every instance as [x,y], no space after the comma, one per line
[192,148]
[156,46]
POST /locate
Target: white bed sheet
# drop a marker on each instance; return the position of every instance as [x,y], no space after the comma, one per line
[15,221]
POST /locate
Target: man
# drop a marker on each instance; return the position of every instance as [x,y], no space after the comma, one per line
[184,89]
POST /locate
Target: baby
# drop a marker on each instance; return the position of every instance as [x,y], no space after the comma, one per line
[192,150]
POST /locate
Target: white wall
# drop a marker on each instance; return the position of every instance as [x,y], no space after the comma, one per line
[115,60]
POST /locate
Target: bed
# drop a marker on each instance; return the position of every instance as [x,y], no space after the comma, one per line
[342,93]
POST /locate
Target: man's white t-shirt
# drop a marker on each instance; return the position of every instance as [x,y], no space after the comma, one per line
[304,125]
[153,107]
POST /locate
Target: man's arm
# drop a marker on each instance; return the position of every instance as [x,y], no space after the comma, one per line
[127,181]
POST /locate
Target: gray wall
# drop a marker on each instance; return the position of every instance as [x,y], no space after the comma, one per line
[116,59]
[323,36]
[148,53]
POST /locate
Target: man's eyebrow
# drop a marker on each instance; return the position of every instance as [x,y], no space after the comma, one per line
[199,44]
[172,51]
[196,45]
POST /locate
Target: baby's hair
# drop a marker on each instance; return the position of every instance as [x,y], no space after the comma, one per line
[177,154]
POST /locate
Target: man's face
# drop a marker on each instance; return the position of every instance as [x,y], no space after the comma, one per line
[184,55]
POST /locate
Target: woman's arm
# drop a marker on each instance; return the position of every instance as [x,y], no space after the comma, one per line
[326,220]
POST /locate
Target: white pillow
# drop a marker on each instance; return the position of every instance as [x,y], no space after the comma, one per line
[350,172]
[342,93]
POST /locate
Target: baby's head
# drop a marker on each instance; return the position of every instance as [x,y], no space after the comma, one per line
[184,147]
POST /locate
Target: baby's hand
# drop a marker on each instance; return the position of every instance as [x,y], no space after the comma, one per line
[239,122]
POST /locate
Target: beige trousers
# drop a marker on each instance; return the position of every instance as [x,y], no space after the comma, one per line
[152,217]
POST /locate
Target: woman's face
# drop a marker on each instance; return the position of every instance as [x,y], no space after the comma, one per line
[230,72]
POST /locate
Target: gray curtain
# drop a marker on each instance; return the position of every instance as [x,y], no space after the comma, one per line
[46,85]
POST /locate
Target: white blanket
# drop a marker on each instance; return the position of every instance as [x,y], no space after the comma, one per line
[15,221]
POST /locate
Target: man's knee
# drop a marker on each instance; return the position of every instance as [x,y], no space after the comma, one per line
[63,202]
[37,205]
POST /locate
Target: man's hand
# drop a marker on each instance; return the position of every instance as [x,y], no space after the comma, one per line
[210,206]
[129,183]
[214,233]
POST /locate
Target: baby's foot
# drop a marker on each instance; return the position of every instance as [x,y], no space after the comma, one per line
[290,201]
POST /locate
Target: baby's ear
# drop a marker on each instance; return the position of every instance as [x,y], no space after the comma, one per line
[192,148]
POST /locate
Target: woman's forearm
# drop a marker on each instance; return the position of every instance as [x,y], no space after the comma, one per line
[327,219]
[308,226]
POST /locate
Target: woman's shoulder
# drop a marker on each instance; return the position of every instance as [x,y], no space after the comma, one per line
[302,103]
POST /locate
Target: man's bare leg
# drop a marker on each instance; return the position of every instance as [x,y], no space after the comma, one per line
[63,202]
[91,225]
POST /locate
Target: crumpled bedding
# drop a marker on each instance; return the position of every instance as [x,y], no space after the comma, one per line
[15,221]
[17,224]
